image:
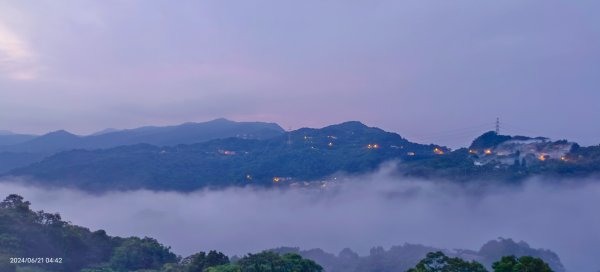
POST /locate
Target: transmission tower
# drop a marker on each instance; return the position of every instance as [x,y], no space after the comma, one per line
[497,126]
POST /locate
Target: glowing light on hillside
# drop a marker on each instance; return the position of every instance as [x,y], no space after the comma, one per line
[488,152]
[542,157]
[410,153]
[472,151]
[330,144]
[276,179]
[438,151]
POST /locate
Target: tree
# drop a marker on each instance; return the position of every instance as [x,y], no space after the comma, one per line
[522,264]
[224,268]
[5,265]
[268,261]
[201,261]
[439,262]
[15,202]
[136,254]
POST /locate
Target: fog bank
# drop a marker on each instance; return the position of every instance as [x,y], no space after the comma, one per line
[366,211]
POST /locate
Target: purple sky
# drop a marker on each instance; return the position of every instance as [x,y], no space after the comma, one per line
[429,70]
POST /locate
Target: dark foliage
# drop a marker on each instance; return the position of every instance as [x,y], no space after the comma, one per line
[305,154]
[439,262]
[522,264]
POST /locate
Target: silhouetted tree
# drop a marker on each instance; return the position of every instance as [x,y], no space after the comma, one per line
[439,262]
[522,264]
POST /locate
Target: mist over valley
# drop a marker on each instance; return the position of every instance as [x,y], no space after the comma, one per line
[378,209]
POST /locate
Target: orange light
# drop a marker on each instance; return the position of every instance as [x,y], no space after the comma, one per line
[438,151]
[542,157]
[488,151]
[276,179]
[375,146]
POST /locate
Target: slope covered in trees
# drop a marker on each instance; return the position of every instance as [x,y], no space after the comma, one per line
[42,242]
[302,155]
[404,257]
[36,241]
[307,155]
[21,150]
[439,262]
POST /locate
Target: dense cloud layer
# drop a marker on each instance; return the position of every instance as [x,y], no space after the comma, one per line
[367,211]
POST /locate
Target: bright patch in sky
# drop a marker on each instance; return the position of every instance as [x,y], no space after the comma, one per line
[16,57]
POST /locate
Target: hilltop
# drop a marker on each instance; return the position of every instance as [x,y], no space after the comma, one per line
[297,156]
[220,156]
[22,150]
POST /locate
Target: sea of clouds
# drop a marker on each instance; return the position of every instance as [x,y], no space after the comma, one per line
[379,209]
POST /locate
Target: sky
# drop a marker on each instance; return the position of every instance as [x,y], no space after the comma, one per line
[432,71]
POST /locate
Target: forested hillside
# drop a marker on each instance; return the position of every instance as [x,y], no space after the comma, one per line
[37,241]
[302,155]
[305,155]
[42,242]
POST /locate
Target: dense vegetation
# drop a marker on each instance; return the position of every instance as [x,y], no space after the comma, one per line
[65,247]
[296,157]
[439,262]
[26,233]
[401,258]
[525,263]
[21,150]
[460,165]
[305,154]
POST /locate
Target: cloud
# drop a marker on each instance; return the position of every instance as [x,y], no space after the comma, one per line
[17,60]
[366,211]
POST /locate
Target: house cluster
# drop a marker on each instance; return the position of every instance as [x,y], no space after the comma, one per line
[525,151]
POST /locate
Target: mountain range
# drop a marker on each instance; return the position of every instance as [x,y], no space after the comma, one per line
[19,150]
[223,153]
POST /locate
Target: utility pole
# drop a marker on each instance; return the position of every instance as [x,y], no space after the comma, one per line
[497,125]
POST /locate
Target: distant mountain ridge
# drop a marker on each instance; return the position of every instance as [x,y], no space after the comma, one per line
[186,133]
[8,138]
[301,155]
[238,154]
[22,150]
